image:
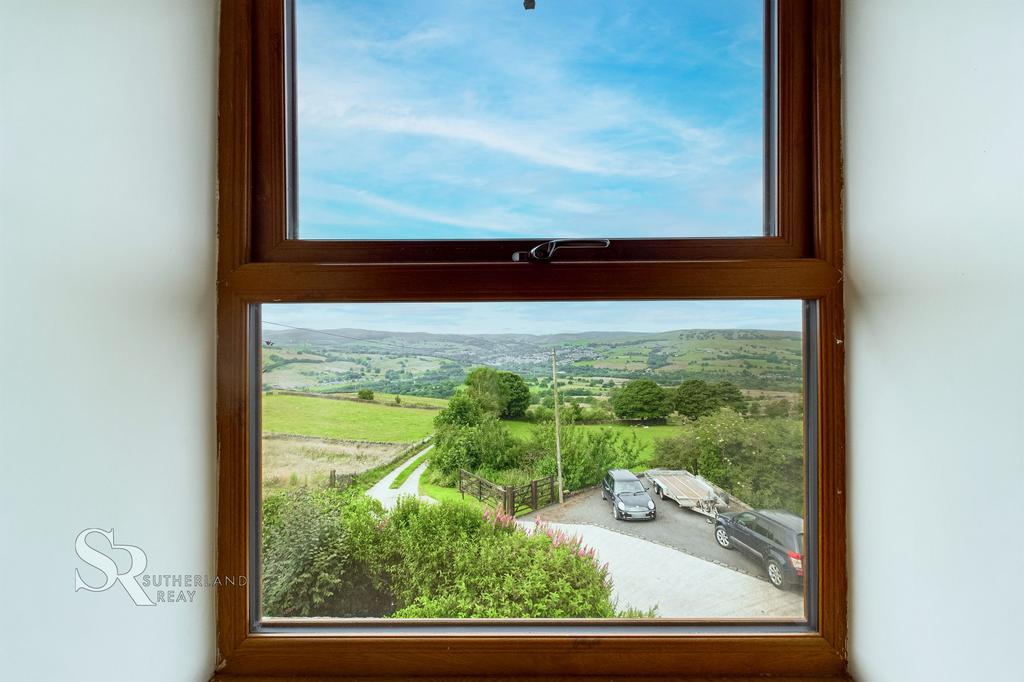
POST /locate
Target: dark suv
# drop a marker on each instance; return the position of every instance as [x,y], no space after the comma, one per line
[774,538]
[628,495]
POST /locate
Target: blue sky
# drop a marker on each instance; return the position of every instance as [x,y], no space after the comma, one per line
[538,317]
[477,119]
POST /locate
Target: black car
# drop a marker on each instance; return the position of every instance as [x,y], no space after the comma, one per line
[628,495]
[774,538]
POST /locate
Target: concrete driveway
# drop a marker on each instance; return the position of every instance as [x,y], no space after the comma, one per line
[388,496]
[672,562]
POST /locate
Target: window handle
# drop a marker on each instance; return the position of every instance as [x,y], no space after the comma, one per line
[544,252]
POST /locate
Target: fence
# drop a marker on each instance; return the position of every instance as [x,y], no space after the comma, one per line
[512,500]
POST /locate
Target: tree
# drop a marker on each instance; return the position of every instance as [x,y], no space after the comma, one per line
[484,385]
[516,395]
[693,398]
[463,410]
[777,408]
[641,399]
[729,395]
[365,394]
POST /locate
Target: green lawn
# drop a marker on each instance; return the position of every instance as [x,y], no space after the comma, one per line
[345,419]
[644,435]
[448,495]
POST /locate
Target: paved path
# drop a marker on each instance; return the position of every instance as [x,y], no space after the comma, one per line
[388,496]
[646,574]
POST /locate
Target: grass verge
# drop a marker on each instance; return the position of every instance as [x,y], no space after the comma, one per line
[407,471]
[449,495]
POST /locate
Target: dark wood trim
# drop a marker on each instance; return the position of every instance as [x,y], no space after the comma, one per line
[256,263]
[679,657]
[233,477]
[828,245]
[234,137]
[312,282]
[792,108]
[501,250]
[270,162]
[827,132]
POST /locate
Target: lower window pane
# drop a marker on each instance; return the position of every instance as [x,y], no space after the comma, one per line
[573,460]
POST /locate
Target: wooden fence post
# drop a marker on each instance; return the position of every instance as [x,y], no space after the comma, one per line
[533,494]
[334,478]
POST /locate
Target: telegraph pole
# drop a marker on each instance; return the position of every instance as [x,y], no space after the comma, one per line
[558,436]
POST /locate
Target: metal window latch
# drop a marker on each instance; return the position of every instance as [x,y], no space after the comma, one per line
[544,252]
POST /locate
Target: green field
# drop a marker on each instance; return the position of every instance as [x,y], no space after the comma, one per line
[388,399]
[345,419]
[644,435]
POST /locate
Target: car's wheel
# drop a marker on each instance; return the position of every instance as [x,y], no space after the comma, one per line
[661,493]
[604,495]
[775,576]
[722,536]
[615,512]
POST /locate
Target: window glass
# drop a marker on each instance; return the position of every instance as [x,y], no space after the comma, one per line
[419,119]
[411,466]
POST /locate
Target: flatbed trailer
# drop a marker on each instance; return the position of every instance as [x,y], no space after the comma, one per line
[687,490]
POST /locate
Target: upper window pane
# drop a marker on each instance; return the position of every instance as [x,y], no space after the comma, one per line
[462,119]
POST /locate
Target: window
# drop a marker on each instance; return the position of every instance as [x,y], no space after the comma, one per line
[470,121]
[389,319]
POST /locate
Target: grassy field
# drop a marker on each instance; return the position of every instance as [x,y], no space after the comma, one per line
[345,419]
[645,435]
[388,399]
[305,461]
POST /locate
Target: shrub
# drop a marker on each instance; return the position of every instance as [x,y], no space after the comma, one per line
[334,554]
[587,454]
[307,566]
[758,460]
[447,561]
[487,443]
[365,394]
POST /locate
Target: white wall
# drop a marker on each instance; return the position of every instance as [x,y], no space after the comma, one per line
[107,129]
[107,151]
[934,114]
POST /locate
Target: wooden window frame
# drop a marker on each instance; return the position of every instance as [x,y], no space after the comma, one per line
[258,263]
